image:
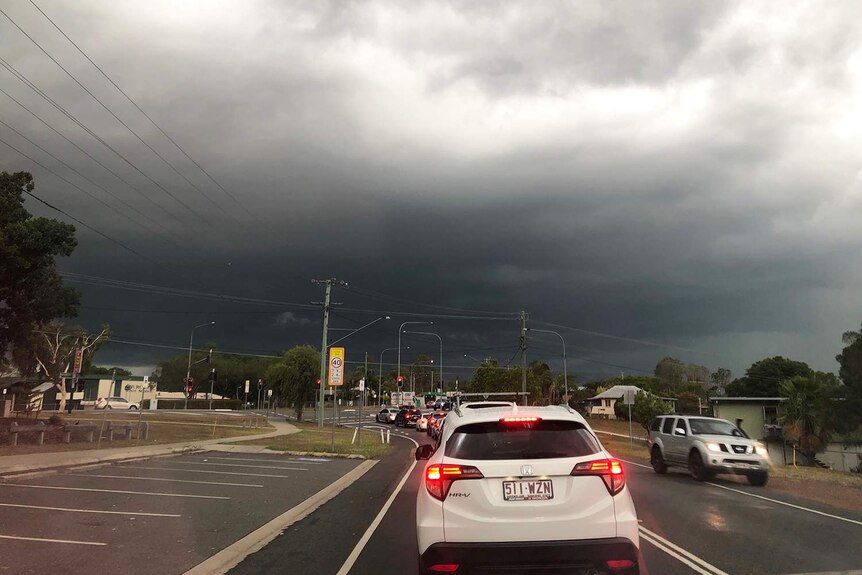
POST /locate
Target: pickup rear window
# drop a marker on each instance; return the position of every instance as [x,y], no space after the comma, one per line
[541,440]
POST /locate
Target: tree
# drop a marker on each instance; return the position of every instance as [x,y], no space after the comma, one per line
[764,377]
[807,412]
[294,376]
[671,372]
[31,291]
[647,407]
[55,353]
[720,380]
[850,360]
[697,375]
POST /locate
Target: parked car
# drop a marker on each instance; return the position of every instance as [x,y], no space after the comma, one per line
[387,415]
[407,417]
[707,446]
[517,489]
[115,403]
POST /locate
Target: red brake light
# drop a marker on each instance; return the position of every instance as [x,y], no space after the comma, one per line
[444,568]
[619,564]
[610,470]
[438,478]
[520,419]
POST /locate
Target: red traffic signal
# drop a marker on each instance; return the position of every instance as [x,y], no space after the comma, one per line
[400,378]
[318,381]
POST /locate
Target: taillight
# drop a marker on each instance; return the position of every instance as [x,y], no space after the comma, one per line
[439,477]
[444,568]
[619,564]
[520,419]
[610,470]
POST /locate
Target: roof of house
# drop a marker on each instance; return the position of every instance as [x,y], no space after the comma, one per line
[617,391]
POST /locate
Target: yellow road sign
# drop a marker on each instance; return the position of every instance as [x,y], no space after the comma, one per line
[336,366]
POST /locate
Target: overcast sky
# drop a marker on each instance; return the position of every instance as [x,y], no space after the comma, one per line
[683,174]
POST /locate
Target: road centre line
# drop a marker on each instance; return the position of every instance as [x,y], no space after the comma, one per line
[22,506]
[656,538]
[213,472]
[682,559]
[242,465]
[847,519]
[115,491]
[363,541]
[41,540]
[164,479]
[266,460]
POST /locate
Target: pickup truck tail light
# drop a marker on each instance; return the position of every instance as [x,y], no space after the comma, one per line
[439,478]
[610,470]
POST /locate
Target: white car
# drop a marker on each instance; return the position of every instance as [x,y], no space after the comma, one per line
[387,415]
[518,489]
[422,423]
[115,403]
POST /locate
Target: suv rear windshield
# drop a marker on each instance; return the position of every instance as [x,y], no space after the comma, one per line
[541,440]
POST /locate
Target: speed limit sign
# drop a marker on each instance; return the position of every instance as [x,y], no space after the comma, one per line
[336,366]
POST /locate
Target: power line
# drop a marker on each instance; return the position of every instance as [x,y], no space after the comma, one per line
[102,104]
[95,136]
[135,104]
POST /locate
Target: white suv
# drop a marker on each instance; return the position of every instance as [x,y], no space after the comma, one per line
[522,489]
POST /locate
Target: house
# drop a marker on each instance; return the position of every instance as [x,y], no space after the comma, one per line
[602,405]
[757,416]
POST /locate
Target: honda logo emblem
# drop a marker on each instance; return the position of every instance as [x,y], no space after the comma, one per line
[526,470]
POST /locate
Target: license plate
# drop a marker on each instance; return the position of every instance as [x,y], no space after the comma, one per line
[528,490]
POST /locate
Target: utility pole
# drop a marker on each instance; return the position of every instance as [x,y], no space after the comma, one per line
[524,356]
[323,347]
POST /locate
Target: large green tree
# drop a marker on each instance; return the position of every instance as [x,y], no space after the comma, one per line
[764,377]
[850,360]
[31,291]
[294,376]
[671,372]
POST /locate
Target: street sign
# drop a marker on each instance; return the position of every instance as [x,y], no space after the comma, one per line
[79,359]
[269,393]
[361,385]
[629,397]
[247,383]
[336,366]
[146,380]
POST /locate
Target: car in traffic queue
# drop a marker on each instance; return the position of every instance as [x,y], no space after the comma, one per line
[407,417]
[433,421]
[115,403]
[387,415]
[422,422]
[523,489]
[706,446]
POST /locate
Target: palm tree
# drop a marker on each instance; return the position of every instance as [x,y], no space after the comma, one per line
[806,416]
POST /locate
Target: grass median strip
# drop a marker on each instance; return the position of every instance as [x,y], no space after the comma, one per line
[312,439]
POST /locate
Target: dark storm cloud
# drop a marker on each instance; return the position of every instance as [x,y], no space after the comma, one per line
[685,173]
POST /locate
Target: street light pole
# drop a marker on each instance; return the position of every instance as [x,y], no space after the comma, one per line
[565,371]
[189,368]
[441,352]
[400,329]
[380,374]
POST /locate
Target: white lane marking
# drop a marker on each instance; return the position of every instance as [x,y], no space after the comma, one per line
[657,539]
[22,506]
[115,491]
[317,461]
[675,555]
[233,554]
[163,479]
[242,465]
[778,501]
[626,461]
[360,545]
[213,472]
[40,539]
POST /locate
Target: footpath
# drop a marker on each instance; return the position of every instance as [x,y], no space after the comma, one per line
[14,465]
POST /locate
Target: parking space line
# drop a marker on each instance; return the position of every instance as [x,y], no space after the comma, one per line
[310,461]
[42,540]
[214,472]
[242,465]
[89,510]
[91,489]
[163,479]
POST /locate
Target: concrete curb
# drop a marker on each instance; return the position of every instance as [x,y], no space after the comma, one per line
[231,556]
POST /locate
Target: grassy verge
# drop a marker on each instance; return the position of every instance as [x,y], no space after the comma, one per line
[313,439]
[621,448]
[163,429]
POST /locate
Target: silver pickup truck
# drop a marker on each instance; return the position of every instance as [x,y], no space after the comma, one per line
[706,446]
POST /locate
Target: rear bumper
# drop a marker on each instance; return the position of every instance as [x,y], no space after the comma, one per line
[572,557]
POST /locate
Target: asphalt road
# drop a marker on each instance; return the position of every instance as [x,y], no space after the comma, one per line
[159,516]
[719,528]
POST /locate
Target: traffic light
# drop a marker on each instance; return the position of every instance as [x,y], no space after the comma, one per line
[259,383]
